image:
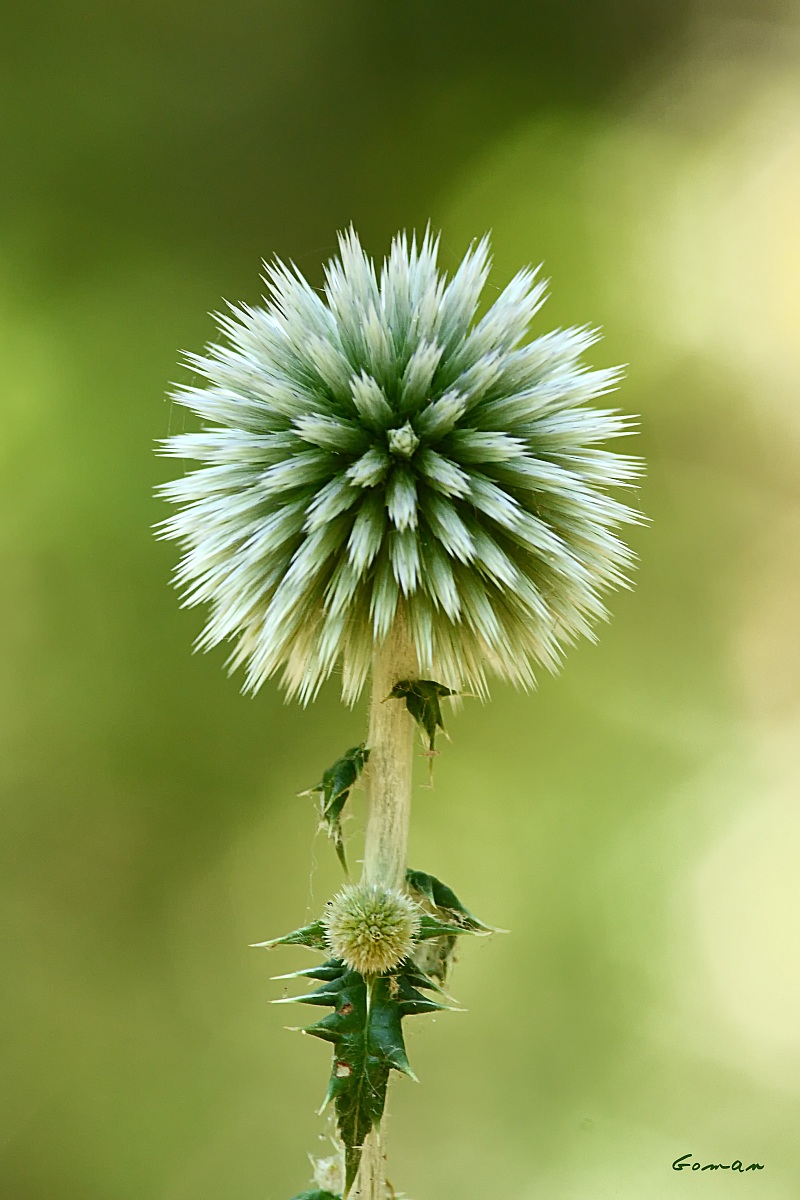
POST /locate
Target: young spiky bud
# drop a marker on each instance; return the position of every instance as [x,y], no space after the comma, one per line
[370,928]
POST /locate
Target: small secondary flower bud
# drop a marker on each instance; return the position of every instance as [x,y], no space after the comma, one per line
[370,928]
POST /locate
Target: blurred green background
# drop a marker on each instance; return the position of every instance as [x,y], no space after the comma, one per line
[634,823]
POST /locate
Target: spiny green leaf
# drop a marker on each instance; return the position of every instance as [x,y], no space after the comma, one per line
[422,701]
[441,927]
[367,1042]
[333,791]
[327,970]
[405,991]
[312,936]
[445,902]
[365,1031]
[432,927]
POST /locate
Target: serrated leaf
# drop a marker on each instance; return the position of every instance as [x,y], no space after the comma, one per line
[366,1034]
[432,927]
[312,936]
[445,902]
[324,971]
[422,701]
[406,994]
[333,791]
[440,929]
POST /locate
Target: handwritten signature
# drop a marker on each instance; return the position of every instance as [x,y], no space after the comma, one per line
[681,1164]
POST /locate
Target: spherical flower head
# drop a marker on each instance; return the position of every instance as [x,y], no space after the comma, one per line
[377,453]
[371,928]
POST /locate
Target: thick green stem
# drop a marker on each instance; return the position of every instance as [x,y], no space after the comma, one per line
[391,749]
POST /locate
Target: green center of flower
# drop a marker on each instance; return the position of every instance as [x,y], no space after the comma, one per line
[403,441]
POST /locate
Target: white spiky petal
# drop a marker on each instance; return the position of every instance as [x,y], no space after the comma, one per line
[377,451]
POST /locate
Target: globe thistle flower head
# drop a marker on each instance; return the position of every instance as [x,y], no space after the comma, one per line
[377,453]
[371,928]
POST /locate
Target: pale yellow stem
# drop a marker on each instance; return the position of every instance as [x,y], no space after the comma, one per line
[371,1180]
[391,749]
[391,745]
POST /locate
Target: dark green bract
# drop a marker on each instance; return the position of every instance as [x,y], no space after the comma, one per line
[422,701]
[333,791]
